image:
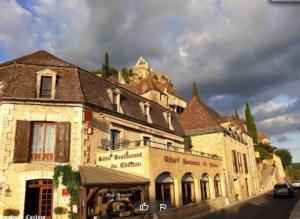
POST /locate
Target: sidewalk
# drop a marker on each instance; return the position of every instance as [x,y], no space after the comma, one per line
[296,212]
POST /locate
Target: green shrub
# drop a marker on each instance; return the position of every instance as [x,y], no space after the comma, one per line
[11,212]
[60,210]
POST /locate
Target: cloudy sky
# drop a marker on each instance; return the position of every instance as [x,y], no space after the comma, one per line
[233,49]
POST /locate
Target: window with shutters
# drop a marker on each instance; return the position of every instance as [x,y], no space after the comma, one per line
[43,141]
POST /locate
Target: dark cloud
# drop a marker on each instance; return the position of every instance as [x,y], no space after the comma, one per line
[233,49]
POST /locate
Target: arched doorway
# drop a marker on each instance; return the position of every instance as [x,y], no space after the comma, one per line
[164,189]
[204,185]
[217,186]
[188,189]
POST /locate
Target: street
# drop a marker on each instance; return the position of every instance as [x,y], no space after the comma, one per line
[264,206]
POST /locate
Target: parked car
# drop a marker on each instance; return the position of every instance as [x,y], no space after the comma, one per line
[283,189]
[296,184]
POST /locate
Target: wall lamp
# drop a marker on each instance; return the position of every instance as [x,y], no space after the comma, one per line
[7,192]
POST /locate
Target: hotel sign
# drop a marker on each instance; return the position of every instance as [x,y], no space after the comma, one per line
[125,159]
[170,159]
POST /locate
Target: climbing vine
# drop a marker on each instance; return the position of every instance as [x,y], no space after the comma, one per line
[70,179]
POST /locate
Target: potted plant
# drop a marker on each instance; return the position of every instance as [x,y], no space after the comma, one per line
[11,212]
[60,211]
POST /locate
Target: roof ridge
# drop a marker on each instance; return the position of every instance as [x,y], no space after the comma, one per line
[24,57]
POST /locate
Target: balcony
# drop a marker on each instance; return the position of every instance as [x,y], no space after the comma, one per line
[125,145]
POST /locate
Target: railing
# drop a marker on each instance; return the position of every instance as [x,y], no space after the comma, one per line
[158,145]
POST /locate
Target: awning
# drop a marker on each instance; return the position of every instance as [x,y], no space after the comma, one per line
[103,176]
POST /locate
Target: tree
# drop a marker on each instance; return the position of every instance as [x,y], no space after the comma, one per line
[251,123]
[107,70]
[105,66]
[285,156]
[187,141]
[195,92]
[237,114]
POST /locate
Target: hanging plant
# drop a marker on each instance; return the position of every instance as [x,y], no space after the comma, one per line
[70,179]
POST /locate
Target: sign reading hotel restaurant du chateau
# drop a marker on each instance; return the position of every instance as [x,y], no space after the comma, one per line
[170,159]
[120,157]
[135,158]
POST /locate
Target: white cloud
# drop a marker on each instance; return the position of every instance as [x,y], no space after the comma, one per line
[15,33]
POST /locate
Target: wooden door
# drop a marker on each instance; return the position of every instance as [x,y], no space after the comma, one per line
[45,202]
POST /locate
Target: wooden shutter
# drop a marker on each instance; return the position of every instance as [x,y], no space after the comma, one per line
[62,148]
[22,141]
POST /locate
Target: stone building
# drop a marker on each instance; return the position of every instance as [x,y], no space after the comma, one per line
[153,85]
[226,137]
[55,113]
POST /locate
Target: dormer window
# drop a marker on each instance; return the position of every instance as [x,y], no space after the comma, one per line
[145,107]
[115,102]
[115,98]
[168,118]
[46,84]
[46,87]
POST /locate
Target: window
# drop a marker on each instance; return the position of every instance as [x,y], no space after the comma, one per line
[245,163]
[164,189]
[46,83]
[204,186]
[114,95]
[240,162]
[114,139]
[217,186]
[234,160]
[43,141]
[146,141]
[169,145]
[115,101]
[145,107]
[46,87]
[188,193]
[168,117]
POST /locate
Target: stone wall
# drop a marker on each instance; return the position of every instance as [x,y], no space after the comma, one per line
[15,175]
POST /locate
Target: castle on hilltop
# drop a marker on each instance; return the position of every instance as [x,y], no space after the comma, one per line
[155,86]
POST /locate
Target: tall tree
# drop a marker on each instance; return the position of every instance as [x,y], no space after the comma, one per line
[285,156]
[251,123]
[105,67]
[237,114]
[195,92]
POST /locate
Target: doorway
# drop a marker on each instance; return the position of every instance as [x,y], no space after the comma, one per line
[38,198]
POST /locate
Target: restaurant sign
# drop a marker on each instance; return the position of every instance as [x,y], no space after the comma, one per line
[121,159]
[170,159]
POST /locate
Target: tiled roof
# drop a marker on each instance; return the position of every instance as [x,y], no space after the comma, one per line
[199,118]
[149,84]
[40,57]
[18,81]
[143,86]
[107,176]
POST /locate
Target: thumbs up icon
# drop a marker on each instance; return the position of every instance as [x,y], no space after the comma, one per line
[144,207]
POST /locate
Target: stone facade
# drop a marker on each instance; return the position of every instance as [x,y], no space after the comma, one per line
[16,175]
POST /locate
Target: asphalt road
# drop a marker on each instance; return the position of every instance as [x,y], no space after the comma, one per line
[264,206]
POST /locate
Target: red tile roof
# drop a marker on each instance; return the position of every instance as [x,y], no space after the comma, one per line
[149,84]
[199,118]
